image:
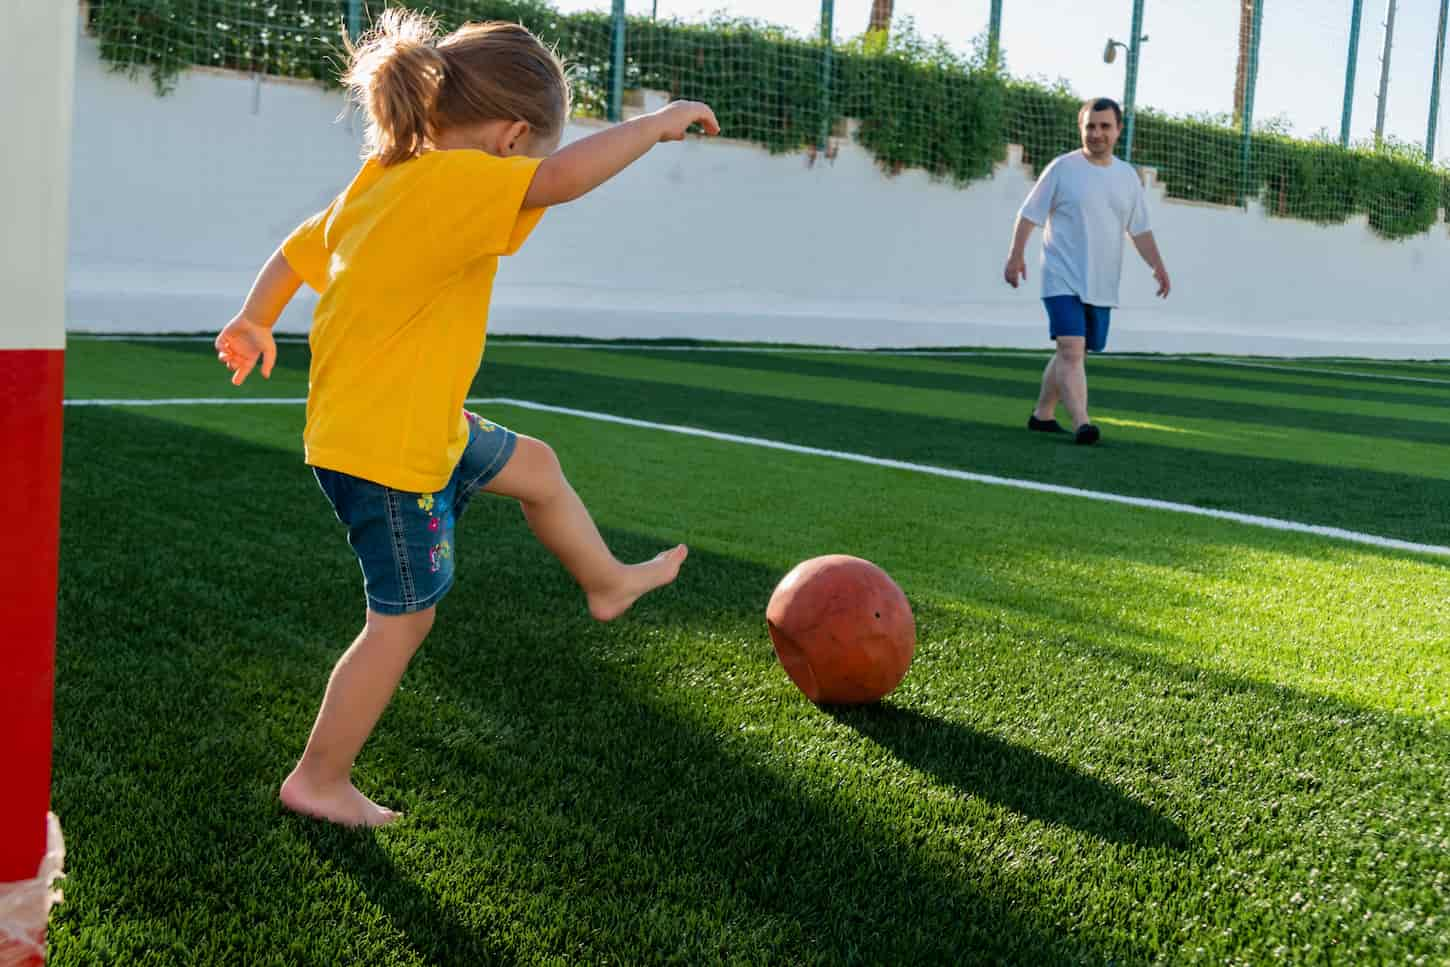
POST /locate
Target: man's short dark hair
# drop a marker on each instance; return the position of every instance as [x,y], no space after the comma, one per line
[1101,104]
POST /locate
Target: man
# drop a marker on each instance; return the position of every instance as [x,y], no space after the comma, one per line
[1086,199]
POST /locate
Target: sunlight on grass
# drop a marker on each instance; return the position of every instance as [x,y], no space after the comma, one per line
[1156,427]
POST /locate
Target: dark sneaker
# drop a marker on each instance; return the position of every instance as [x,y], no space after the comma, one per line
[1087,434]
[1044,426]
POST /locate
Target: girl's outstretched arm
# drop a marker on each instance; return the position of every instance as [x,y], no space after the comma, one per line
[249,336]
[586,164]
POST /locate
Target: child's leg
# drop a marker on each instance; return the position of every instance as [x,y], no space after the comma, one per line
[563,525]
[362,683]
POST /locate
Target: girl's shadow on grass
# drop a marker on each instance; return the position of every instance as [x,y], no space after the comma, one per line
[1024,781]
[429,926]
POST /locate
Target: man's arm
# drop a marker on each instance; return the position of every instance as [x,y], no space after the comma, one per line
[1017,258]
[1148,248]
[1036,210]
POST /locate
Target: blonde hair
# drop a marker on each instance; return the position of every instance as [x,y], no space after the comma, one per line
[415,86]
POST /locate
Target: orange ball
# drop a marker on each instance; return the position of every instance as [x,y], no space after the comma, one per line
[843,630]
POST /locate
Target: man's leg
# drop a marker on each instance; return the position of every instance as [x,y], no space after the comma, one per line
[1066,322]
[1072,377]
[1047,399]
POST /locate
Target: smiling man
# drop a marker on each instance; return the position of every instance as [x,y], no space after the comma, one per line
[1087,200]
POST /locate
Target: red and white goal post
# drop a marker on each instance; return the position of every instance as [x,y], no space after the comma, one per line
[37,71]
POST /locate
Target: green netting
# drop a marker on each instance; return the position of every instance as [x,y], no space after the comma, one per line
[920,104]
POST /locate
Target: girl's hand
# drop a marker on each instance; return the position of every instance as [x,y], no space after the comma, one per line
[240,343]
[675,119]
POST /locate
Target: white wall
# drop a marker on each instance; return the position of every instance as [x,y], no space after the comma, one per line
[178,200]
[32,175]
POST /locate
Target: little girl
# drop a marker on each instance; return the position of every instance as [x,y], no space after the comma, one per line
[463,136]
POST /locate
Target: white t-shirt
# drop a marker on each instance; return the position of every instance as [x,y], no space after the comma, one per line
[1085,209]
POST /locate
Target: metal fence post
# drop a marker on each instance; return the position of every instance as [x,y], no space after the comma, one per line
[354,18]
[1349,68]
[1435,84]
[994,36]
[1130,83]
[1250,83]
[616,63]
[1389,46]
[828,32]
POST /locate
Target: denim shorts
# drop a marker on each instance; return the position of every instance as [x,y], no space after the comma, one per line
[404,541]
[1069,316]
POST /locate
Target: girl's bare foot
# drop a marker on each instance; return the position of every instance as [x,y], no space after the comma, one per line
[341,804]
[634,581]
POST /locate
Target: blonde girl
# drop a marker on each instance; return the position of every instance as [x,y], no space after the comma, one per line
[462,161]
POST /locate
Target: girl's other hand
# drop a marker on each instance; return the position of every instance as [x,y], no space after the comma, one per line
[240,344]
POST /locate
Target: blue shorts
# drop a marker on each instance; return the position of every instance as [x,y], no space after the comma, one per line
[1070,316]
[404,541]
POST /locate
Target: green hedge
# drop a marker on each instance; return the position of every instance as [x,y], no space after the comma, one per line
[1202,161]
[920,105]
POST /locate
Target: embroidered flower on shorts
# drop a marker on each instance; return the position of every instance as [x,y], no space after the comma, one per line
[433,524]
[440,553]
[479,421]
[425,503]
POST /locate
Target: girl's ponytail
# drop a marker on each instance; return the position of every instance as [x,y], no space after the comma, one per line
[394,73]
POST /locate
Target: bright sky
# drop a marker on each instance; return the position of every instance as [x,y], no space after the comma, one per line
[1188,62]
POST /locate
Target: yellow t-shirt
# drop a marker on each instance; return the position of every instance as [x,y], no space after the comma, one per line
[405,260]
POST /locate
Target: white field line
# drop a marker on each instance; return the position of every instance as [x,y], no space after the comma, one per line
[829,351]
[1306,369]
[1252,520]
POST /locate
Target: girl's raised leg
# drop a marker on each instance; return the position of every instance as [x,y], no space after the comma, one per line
[562,524]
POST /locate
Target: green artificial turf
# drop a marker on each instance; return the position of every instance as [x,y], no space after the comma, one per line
[1128,735]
